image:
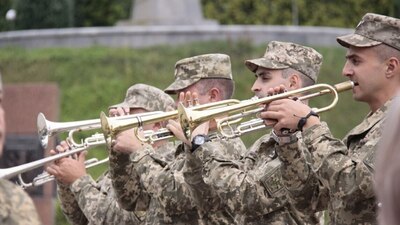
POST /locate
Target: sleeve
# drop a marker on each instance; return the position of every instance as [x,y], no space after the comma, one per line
[241,189]
[97,202]
[164,181]
[16,207]
[305,192]
[348,176]
[125,180]
[70,206]
[203,195]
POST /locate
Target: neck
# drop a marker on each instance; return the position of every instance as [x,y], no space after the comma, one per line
[381,99]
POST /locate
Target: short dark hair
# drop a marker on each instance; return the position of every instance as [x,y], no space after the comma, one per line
[226,86]
[306,81]
[384,52]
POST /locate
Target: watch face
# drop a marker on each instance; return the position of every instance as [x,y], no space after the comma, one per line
[199,140]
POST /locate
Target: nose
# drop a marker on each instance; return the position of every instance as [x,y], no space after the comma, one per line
[256,86]
[347,70]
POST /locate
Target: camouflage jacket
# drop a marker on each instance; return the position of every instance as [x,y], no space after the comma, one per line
[89,202]
[252,185]
[345,170]
[16,207]
[212,209]
[142,176]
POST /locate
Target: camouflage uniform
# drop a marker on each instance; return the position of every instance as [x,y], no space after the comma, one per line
[16,207]
[173,201]
[338,175]
[252,186]
[94,202]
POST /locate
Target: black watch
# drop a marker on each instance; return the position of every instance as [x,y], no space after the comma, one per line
[199,140]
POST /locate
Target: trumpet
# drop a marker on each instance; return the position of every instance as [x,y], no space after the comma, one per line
[190,118]
[94,140]
[48,128]
[46,177]
[112,125]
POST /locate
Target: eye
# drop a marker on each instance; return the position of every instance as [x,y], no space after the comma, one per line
[265,78]
[355,61]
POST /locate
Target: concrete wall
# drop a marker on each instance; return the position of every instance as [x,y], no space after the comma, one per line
[142,36]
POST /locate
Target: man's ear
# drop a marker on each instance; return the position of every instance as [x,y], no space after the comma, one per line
[392,67]
[294,82]
[215,95]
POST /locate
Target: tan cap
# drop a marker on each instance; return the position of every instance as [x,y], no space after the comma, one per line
[190,70]
[146,97]
[374,29]
[282,55]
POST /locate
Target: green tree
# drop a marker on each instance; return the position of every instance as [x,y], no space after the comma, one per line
[336,13]
[43,14]
[5,5]
[100,12]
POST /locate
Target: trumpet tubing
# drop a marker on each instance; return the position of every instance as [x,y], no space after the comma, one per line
[111,125]
[16,170]
[48,128]
[191,118]
[46,177]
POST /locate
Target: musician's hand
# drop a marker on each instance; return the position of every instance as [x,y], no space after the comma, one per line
[68,170]
[287,113]
[176,129]
[188,99]
[119,111]
[127,142]
[276,90]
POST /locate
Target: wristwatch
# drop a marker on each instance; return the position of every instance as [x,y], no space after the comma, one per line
[284,139]
[198,140]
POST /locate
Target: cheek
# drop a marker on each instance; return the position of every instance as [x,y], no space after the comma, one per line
[203,100]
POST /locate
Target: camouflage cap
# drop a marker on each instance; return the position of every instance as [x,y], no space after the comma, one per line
[190,70]
[374,29]
[282,55]
[146,97]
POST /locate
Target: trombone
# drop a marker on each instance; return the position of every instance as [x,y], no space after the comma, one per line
[190,118]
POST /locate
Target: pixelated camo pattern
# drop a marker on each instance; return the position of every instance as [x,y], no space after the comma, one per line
[372,30]
[251,186]
[147,97]
[280,55]
[190,70]
[95,203]
[346,168]
[16,207]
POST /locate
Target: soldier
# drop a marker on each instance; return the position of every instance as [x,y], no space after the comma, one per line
[345,168]
[85,201]
[172,202]
[252,186]
[16,207]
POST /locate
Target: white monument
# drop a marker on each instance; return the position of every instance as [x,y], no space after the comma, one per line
[167,12]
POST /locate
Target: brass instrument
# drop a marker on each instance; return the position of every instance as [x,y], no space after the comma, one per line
[112,126]
[190,118]
[94,140]
[48,128]
[46,177]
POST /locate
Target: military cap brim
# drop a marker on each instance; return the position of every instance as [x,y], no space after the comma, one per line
[356,40]
[179,85]
[253,64]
